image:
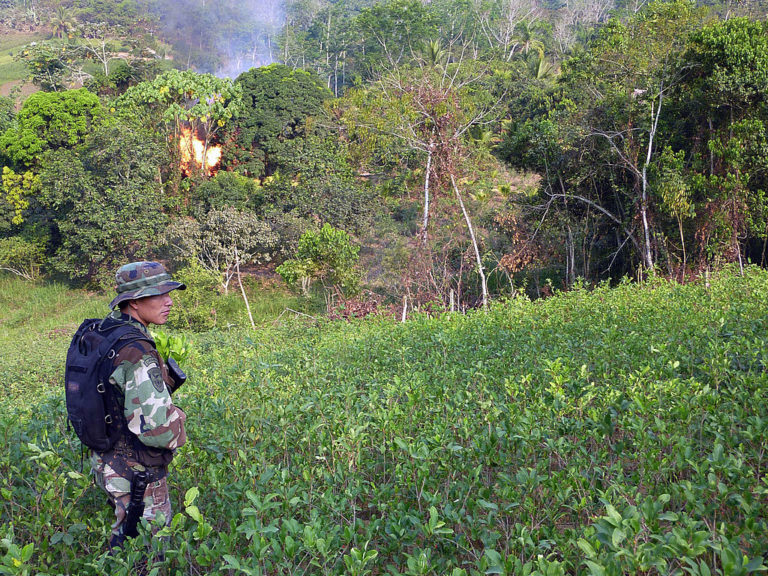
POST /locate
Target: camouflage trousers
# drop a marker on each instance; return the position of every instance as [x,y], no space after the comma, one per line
[157,503]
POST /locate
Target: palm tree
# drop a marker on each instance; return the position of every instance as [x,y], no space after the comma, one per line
[60,24]
[539,67]
[526,37]
[434,53]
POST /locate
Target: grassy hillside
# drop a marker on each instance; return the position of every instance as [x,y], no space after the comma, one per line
[12,71]
[615,431]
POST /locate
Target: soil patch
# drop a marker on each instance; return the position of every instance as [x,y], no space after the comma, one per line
[26,88]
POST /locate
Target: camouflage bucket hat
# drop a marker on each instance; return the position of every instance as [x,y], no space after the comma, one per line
[142,279]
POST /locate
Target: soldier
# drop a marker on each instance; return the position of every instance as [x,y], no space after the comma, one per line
[154,427]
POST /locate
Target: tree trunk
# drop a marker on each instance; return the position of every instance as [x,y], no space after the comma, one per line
[480,269]
[644,199]
[570,257]
[242,290]
[682,241]
[425,220]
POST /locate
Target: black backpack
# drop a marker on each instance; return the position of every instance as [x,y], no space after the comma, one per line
[93,406]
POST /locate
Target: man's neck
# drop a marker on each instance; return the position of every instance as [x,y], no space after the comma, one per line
[124,316]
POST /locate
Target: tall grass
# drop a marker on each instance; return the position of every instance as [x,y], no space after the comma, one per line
[37,321]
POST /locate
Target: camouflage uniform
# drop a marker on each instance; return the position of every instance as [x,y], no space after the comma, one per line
[155,426]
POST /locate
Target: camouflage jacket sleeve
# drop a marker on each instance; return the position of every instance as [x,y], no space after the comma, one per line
[149,411]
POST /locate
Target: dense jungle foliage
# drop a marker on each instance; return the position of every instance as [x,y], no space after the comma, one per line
[614,431]
[456,151]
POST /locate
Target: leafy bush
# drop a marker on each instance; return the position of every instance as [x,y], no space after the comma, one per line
[194,308]
[223,241]
[21,257]
[327,255]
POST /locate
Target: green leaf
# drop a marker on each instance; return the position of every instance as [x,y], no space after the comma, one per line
[194,513]
[613,514]
[595,569]
[191,495]
[27,551]
[586,547]
[754,565]
[617,537]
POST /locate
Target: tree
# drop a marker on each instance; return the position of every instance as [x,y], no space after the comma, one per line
[279,105]
[335,36]
[525,36]
[49,121]
[502,23]
[54,65]
[600,141]
[97,43]
[109,209]
[723,100]
[61,24]
[430,111]
[175,102]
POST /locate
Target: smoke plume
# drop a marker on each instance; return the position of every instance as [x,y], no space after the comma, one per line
[224,37]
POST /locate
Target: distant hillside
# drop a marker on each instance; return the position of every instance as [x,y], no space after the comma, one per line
[12,72]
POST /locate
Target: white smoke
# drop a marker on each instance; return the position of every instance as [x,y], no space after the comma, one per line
[256,46]
[225,37]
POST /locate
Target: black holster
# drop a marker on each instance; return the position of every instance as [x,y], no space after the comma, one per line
[136,505]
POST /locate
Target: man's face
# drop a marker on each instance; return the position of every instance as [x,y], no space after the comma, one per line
[151,310]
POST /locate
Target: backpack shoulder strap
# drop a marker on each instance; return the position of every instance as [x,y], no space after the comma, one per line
[116,336]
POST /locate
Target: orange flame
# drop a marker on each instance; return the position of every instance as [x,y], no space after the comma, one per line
[193,151]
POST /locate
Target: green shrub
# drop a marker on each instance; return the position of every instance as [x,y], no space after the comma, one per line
[21,257]
[327,255]
[608,431]
[195,308]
